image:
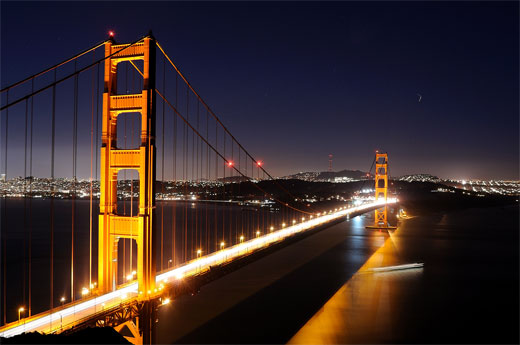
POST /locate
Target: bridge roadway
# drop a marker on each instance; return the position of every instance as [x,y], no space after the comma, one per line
[68,315]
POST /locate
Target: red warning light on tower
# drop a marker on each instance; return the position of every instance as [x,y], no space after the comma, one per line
[259,163]
[111,33]
[230,163]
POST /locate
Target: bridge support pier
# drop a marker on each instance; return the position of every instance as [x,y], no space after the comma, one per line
[148,321]
[135,321]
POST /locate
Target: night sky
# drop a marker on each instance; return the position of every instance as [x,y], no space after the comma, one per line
[296,81]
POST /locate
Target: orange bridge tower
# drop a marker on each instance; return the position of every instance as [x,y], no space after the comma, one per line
[381,189]
[113,226]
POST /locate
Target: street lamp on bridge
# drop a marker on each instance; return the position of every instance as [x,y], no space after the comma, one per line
[20,310]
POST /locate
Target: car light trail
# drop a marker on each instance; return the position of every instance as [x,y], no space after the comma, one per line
[49,323]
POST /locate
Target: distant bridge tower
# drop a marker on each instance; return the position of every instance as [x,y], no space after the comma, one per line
[112,226]
[381,188]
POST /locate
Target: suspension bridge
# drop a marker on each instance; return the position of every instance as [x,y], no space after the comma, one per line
[121,185]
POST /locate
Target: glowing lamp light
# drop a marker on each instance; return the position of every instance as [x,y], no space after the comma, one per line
[241,238]
[111,33]
[230,163]
[257,233]
[294,221]
[222,244]
[62,299]
[272,228]
[21,309]
[166,301]
[259,163]
[283,225]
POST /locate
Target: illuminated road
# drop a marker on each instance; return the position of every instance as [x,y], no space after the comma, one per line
[71,313]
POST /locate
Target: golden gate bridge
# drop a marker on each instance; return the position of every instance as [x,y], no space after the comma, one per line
[148,135]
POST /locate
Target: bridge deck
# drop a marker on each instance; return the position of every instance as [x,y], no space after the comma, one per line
[73,313]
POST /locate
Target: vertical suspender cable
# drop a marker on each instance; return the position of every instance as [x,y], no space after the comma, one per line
[192,216]
[30,203]
[196,180]
[53,139]
[24,263]
[91,169]
[184,178]
[224,193]
[74,177]
[162,170]
[96,169]
[4,258]
[231,208]
[207,180]
[216,188]
[25,202]
[131,258]
[174,217]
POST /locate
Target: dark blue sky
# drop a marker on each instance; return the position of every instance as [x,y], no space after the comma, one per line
[295,81]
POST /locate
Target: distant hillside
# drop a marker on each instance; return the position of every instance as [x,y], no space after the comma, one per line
[420,178]
[233,179]
[343,175]
[353,174]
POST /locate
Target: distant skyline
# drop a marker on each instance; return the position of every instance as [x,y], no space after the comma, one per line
[297,81]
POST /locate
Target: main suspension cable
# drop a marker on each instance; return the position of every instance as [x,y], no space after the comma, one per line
[226,161]
[97,45]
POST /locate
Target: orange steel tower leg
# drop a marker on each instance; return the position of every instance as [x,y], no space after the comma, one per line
[112,226]
[381,187]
